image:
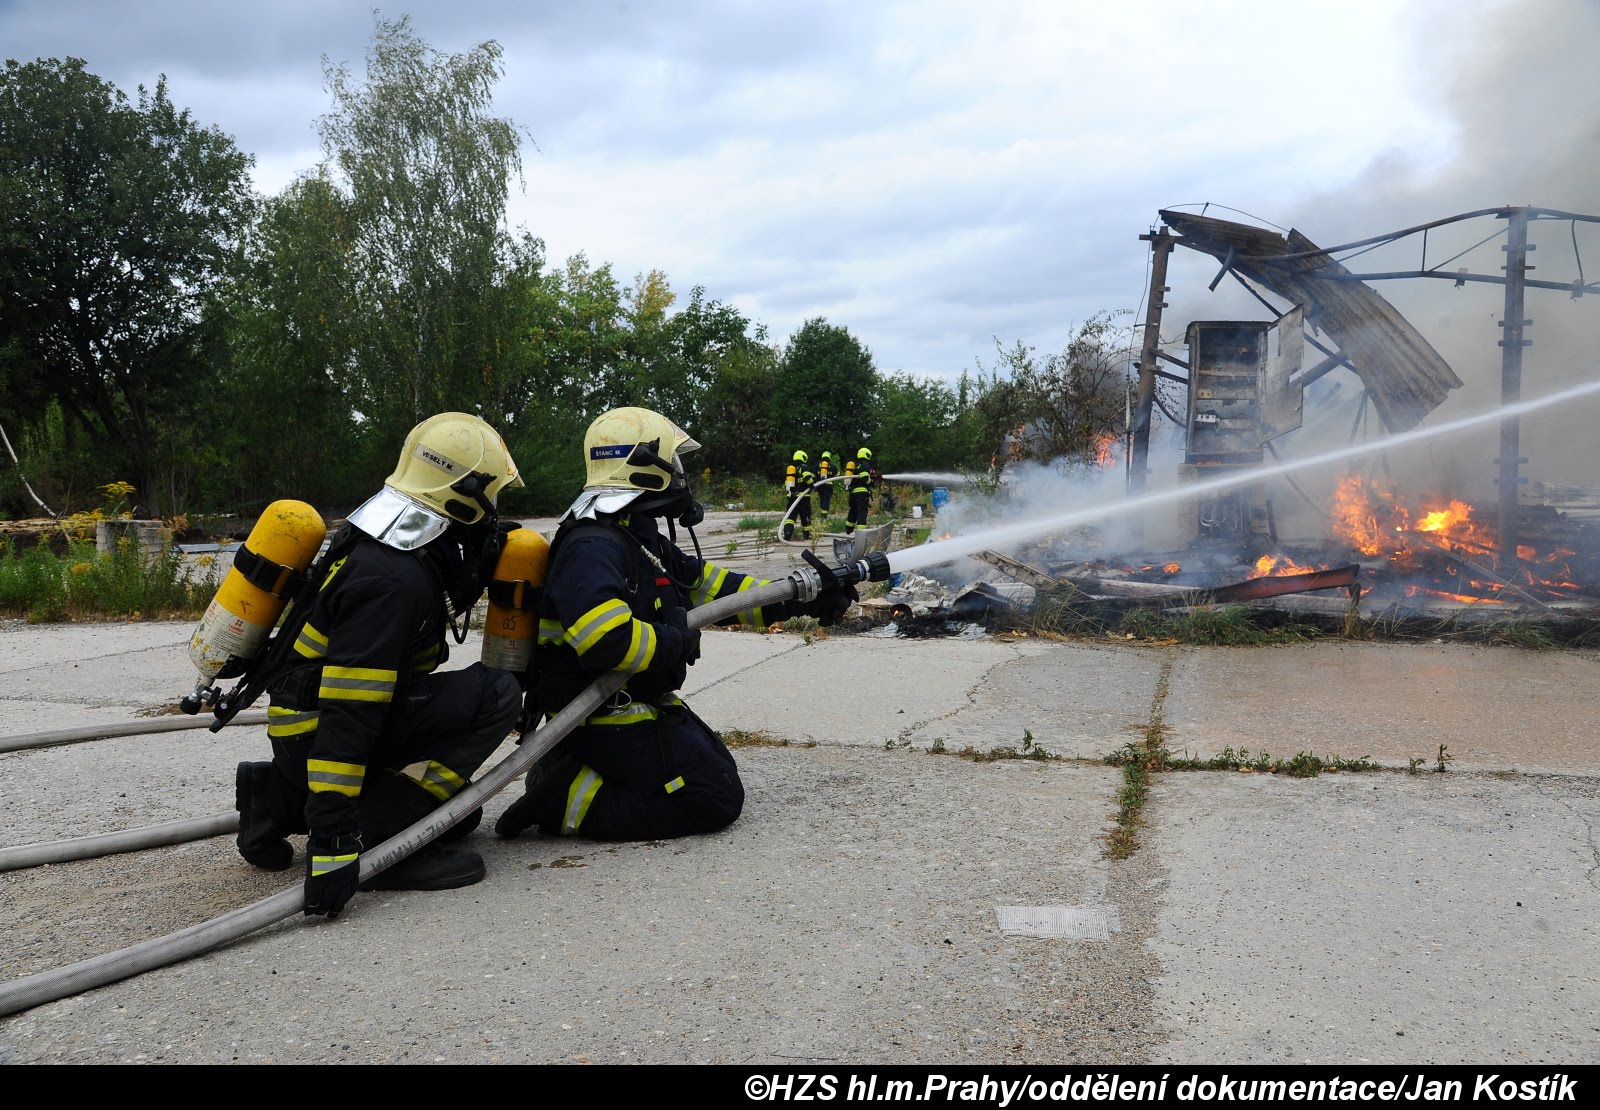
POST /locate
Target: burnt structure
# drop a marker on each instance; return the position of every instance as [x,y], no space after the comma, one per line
[1403,375]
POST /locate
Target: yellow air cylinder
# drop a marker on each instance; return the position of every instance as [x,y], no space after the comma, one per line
[286,539]
[513,619]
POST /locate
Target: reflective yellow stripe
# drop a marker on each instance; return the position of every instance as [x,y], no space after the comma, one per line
[357,684]
[675,785]
[426,660]
[435,778]
[580,795]
[311,643]
[586,631]
[711,579]
[628,715]
[291,722]
[641,649]
[550,631]
[325,776]
[321,865]
[752,617]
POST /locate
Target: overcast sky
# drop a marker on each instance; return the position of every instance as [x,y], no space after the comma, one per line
[929,174]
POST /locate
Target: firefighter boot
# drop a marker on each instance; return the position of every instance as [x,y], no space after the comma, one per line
[432,867]
[545,797]
[462,828]
[261,839]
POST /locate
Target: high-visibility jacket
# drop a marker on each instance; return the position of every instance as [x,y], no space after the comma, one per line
[860,477]
[613,594]
[378,621]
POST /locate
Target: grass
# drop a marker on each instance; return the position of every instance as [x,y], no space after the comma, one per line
[85,584]
[755,738]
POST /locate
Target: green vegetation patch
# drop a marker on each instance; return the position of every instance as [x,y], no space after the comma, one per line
[84,584]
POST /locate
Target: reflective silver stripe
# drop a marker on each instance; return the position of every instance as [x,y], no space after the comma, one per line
[322,865]
[355,684]
[332,779]
[595,623]
[442,780]
[579,795]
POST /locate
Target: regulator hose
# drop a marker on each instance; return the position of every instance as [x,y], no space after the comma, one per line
[802,584]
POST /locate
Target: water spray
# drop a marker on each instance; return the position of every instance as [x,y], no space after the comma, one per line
[943,551]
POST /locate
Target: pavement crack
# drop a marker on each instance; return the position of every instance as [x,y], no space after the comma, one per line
[971,695]
[1590,837]
[746,669]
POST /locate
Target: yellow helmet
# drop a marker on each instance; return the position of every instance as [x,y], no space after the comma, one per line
[456,464]
[864,453]
[800,457]
[635,449]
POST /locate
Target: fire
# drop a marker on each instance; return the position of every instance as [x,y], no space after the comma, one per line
[1374,521]
[1172,568]
[1366,517]
[1272,565]
[1104,452]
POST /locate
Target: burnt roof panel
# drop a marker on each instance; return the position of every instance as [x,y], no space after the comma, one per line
[1405,377]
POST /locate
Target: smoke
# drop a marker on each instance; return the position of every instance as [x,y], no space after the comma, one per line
[1033,491]
[1524,129]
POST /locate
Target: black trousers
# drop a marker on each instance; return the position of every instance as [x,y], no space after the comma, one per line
[802,513]
[659,779]
[824,497]
[455,719]
[858,509]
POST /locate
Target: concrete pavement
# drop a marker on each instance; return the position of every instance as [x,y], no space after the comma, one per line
[883,899]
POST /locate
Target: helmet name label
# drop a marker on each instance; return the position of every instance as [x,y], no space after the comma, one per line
[612,451]
[428,455]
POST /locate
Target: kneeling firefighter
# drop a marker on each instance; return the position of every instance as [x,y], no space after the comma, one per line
[367,737]
[616,596]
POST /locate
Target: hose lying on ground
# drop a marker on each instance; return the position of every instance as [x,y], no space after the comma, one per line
[48,986]
[107,844]
[26,740]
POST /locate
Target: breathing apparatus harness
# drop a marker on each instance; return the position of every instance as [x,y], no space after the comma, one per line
[462,561]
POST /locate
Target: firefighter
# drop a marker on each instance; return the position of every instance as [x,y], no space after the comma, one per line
[826,468]
[859,470]
[367,736]
[616,595]
[791,476]
[801,497]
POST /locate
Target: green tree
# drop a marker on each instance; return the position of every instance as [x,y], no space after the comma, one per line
[116,223]
[427,168]
[1065,408]
[916,418]
[826,392]
[290,345]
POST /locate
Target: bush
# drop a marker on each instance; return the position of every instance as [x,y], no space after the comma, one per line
[42,586]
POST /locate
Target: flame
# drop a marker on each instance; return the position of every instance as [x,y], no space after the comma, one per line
[1365,516]
[1104,452]
[1376,522]
[1172,568]
[1277,565]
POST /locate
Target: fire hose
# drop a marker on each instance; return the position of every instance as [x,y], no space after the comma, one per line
[803,584]
[23,741]
[795,503]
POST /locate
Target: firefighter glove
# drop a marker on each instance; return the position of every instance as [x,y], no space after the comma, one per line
[333,868]
[691,636]
[835,597]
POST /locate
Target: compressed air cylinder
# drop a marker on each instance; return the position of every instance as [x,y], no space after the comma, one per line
[281,546]
[513,618]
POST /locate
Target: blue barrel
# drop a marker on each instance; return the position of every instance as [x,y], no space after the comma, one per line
[941,498]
